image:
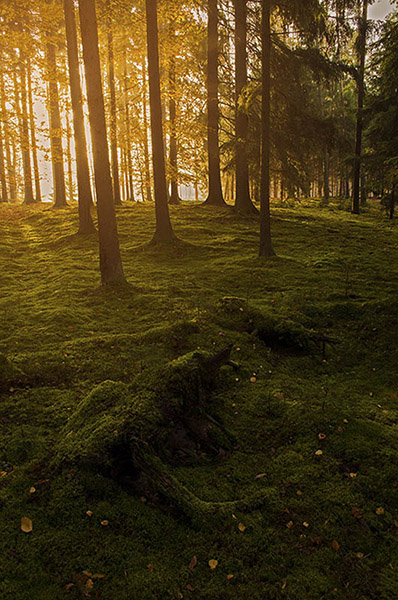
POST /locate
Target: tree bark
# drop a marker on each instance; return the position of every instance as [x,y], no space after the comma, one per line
[243,203]
[110,260]
[85,198]
[20,91]
[130,183]
[164,231]
[266,248]
[215,196]
[174,197]
[361,97]
[36,171]
[148,192]
[55,126]
[113,113]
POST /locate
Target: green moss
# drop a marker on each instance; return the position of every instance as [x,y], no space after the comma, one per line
[83,359]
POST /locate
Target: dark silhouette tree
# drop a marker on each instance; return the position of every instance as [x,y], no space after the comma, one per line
[112,113]
[215,196]
[164,231]
[110,260]
[243,203]
[363,26]
[85,199]
[266,248]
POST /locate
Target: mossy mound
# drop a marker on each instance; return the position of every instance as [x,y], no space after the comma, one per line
[274,329]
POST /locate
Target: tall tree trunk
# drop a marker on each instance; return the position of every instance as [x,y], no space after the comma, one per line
[69,154]
[361,97]
[36,171]
[243,203]
[130,185]
[164,231]
[174,198]
[215,197]
[3,178]
[148,194]
[266,248]
[85,198]
[110,260]
[55,126]
[113,112]
[7,140]
[20,93]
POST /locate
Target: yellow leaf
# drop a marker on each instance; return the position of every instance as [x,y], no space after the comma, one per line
[26,524]
[290,524]
[260,476]
[360,555]
[69,586]
[396,523]
[353,475]
[321,436]
[89,584]
[345,421]
[32,490]
[299,493]
[284,585]
[3,473]
[335,545]
[306,524]
[98,576]
[253,379]
[213,563]
[242,527]
[230,576]
[380,511]
[89,513]
[105,523]
[87,573]
[318,453]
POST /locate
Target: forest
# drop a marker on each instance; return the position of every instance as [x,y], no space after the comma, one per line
[198,292]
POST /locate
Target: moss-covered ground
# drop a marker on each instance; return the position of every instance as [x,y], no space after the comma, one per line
[319,431]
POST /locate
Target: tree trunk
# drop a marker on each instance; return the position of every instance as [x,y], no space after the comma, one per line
[85,198]
[55,126]
[69,154]
[361,96]
[266,248]
[243,203]
[174,198]
[130,184]
[113,115]
[36,171]
[110,260]
[164,231]
[215,197]
[20,91]
[148,194]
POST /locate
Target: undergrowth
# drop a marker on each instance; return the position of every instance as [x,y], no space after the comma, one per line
[319,430]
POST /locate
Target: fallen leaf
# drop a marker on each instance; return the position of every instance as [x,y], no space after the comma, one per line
[290,524]
[353,475]
[299,493]
[26,524]
[89,513]
[150,566]
[318,453]
[396,523]
[345,421]
[32,490]
[284,585]
[322,436]
[306,524]
[253,379]
[190,588]
[3,473]
[230,576]
[105,523]
[360,555]
[98,576]
[89,584]
[260,476]
[380,511]
[242,527]
[193,563]
[335,545]
[213,563]
[69,586]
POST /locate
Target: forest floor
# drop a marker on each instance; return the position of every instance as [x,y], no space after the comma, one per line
[320,431]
